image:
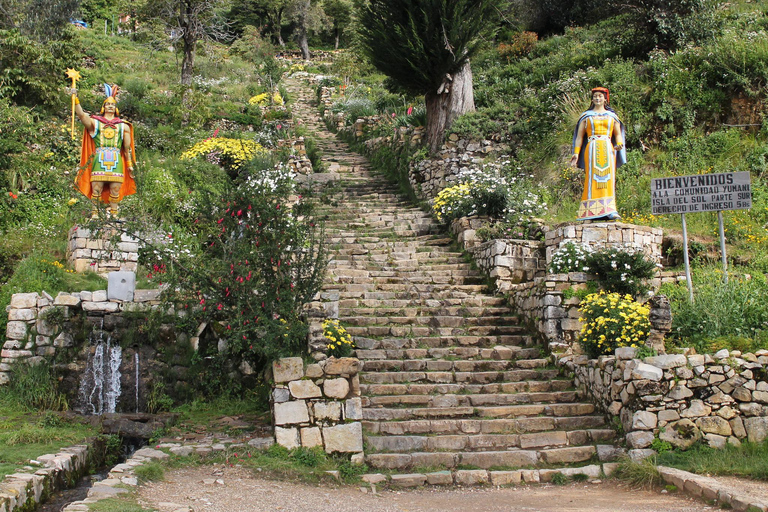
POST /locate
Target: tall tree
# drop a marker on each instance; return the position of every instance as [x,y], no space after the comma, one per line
[308,17]
[340,12]
[189,21]
[265,14]
[424,47]
[42,20]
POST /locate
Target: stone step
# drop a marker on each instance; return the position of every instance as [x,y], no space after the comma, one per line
[499,352]
[520,425]
[431,321]
[407,331]
[444,342]
[482,477]
[523,386]
[457,377]
[431,289]
[407,278]
[513,458]
[408,273]
[471,311]
[478,301]
[485,442]
[442,365]
[456,400]
[487,412]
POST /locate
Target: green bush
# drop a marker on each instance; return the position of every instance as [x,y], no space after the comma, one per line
[35,388]
[722,314]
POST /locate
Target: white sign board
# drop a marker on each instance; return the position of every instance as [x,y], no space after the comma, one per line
[701,193]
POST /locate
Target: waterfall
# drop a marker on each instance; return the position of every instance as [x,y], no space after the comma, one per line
[136,364]
[100,386]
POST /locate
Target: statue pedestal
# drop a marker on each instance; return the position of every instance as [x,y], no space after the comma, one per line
[109,250]
[600,234]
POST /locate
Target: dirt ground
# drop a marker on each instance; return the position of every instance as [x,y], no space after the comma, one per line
[238,490]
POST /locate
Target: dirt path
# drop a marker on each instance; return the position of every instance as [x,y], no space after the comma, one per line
[194,489]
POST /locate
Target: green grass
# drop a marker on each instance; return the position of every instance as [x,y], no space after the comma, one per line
[25,436]
[750,460]
[126,503]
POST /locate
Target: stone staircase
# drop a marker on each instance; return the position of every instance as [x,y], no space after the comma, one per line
[451,380]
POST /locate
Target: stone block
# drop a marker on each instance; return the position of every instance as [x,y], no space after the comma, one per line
[21,315]
[16,330]
[99,296]
[304,389]
[640,439]
[756,428]
[289,413]
[327,411]
[336,388]
[646,371]
[714,425]
[344,438]
[280,395]
[542,439]
[666,362]
[500,478]
[343,366]
[408,480]
[353,409]
[104,307]
[644,420]
[65,299]
[472,477]
[696,409]
[24,300]
[121,286]
[640,455]
[311,437]
[288,437]
[288,369]
[440,478]
[568,455]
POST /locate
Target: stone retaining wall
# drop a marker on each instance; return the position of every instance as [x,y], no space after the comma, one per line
[102,254]
[605,234]
[26,490]
[681,399]
[318,405]
[30,335]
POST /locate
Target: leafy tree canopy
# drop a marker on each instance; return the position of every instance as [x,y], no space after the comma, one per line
[416,42]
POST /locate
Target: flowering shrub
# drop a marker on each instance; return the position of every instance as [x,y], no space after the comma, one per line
[486,190]
[520,45]
[231,154]
[452,203]
[260,99]
[611,320]
[620,269]
[339,340]
[570,257]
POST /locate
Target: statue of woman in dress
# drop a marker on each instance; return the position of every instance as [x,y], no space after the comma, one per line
[598,148]
[107,155]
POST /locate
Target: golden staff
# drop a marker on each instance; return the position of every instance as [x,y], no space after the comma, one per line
[75,76]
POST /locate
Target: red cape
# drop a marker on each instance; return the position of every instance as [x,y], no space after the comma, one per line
[83,180]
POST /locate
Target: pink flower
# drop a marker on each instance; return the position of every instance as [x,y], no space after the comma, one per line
[410,110]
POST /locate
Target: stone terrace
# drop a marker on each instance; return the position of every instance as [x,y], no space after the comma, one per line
[450,378]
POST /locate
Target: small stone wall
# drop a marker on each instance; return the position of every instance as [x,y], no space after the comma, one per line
[25,491]
[29,336]
[605,234]
[318,405]
[681,399]
[298,161]
[550,304]
[428,177]
[86,252]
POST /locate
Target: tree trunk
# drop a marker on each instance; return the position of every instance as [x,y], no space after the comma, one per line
[454,98]
[280,38]
[188,62]
[336,44]
[303,44]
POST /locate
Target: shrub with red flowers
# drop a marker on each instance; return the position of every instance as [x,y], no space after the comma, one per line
[260,260]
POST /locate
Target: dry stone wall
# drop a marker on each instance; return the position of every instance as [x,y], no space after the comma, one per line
[102,254]
[318,405]
[31,335]
[681,399]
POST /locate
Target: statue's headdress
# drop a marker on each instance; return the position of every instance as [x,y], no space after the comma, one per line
[604,91]
[111,92]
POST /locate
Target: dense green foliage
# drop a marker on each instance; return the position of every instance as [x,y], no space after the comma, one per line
[416,42]
[730,315]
